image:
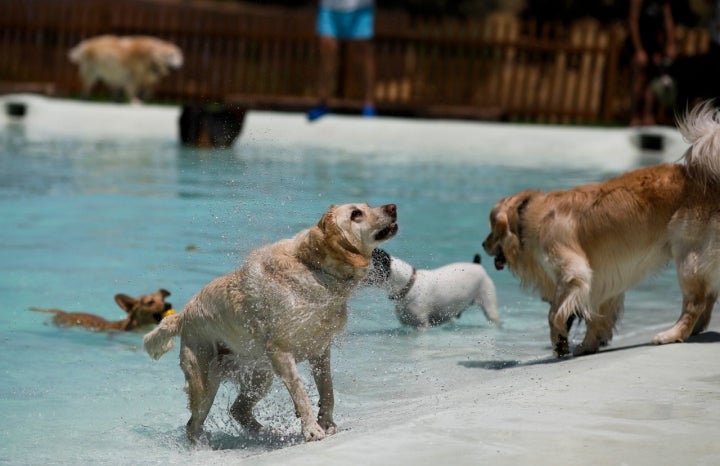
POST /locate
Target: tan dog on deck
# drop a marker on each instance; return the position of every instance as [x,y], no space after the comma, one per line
[282,307]
[143,311]
[581,249]
[133,64]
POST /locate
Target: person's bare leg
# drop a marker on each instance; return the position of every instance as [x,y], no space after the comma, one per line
[328,67]
[638,94]
[369,72]
[648,107]
[327,74]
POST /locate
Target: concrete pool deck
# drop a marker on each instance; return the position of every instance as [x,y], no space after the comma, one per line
[636,404]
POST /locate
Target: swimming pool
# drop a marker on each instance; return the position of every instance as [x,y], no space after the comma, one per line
[87,215]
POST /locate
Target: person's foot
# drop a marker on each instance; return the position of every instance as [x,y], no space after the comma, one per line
[317,111]
[369,111]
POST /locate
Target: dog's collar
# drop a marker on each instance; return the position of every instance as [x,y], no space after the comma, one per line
[405,289]
[520,210]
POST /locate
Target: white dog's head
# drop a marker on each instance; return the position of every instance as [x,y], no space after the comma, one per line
[379,272]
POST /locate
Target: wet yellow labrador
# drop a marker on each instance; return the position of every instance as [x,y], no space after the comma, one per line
[283,306]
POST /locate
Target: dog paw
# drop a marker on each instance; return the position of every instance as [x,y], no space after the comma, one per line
[584,350]
[252,425]
[199,439]
[313,432]
[328,426]
[562,347]
[668,336]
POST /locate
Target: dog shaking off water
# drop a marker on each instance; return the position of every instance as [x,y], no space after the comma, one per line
[582,248]
[283,306]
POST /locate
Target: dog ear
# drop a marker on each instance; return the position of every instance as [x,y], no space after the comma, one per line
[126,303]
[338,244]
[351,254]
[501,223]
[381,261]
[165,293]
[327,218]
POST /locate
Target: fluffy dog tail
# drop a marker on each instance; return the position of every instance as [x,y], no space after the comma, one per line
[701,128]
[160,340]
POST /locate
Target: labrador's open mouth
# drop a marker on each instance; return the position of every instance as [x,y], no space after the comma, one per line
[500,260]
[387,233]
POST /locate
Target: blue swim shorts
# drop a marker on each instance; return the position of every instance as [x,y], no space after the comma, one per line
[357,24]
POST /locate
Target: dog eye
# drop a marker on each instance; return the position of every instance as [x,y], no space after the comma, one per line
[356,214]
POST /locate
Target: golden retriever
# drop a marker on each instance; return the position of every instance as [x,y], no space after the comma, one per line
[581,249]
[133,64]
[143,311]
[283,306]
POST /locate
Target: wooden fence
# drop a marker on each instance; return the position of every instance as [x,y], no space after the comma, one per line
[263,57]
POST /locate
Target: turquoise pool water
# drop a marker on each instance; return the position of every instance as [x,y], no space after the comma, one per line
[83,220]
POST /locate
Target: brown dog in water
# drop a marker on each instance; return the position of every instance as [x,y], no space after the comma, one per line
[581,249]
[146,310]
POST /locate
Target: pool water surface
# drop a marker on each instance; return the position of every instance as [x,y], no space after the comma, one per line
[85,219]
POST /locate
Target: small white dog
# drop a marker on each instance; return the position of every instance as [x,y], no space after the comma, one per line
[425,298]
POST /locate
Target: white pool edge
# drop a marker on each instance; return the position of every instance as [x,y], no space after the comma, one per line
[398,139]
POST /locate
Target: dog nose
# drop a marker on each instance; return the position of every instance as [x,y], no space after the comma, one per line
[391,209]
[486,245]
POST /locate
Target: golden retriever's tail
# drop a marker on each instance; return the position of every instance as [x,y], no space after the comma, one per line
[160,340]
[701,128]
